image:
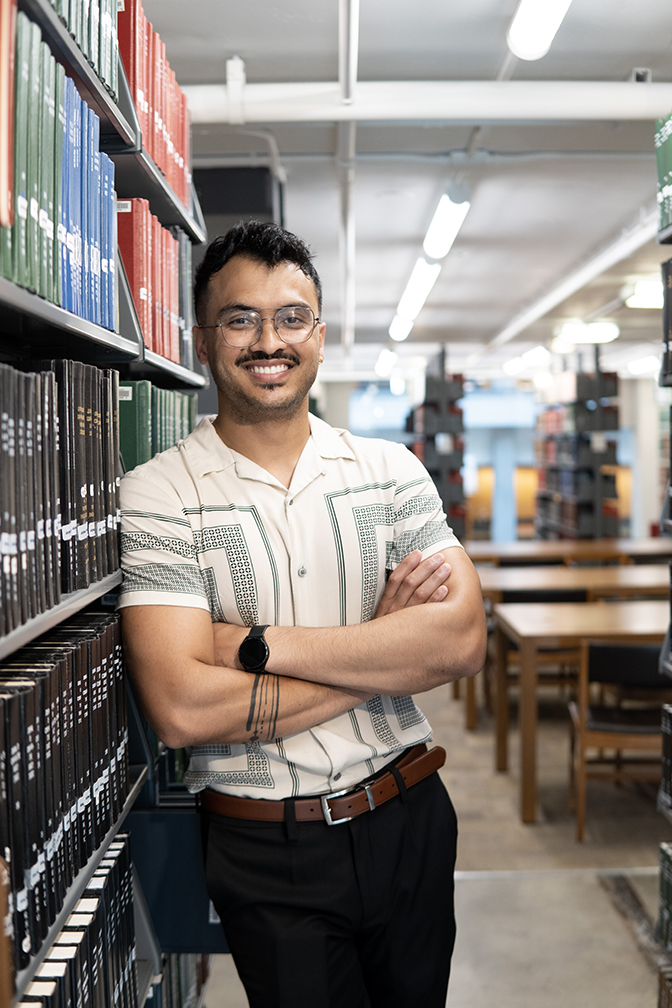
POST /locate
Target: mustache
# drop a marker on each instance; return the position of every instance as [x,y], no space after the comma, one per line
[259,355]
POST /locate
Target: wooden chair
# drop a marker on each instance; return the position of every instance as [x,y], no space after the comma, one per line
[627,675]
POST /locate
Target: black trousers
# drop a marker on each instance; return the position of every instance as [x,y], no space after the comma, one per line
[358,915]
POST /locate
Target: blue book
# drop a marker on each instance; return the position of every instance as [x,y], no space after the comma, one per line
[104,242]
[75,128]
[84,172]
[111,247]
[94,200]
[60,248]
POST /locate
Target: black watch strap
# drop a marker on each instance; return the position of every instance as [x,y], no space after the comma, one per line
[253,653]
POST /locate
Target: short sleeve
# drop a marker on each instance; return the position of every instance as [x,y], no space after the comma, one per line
[420,522]
[158,554]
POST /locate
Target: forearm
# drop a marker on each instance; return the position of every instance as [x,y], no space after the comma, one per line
[189,700]
[407,650]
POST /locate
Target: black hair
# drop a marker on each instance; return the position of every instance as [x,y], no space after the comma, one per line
[262,241]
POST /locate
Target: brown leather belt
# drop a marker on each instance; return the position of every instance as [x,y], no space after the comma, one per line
[339,806]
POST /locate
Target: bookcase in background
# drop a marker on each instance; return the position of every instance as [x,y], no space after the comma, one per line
[576,460]
[50,346]
[438,426]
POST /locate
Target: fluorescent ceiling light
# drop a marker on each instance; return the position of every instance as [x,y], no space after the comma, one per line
[577,331]
[561,346]
[446,222]
[420,283]
[645,294]
[513,366]
[400,328]
[534,26]
[644,365]
[536,357]
[386,361]
[543,379]
[397,383]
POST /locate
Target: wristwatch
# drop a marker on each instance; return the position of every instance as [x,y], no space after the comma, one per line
[253,653]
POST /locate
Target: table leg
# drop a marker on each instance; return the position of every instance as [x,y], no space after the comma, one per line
[501,702]
[528,731]
[470,709]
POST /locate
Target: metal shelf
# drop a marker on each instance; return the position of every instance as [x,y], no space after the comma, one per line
[154,366]
[79,885]
[115,125]
[31,326]
[664,237]
[136,175]
[68,606]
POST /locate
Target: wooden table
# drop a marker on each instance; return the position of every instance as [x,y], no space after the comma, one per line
[569,550]
[534,625]
[623,580]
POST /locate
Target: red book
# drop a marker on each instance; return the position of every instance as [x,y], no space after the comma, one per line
[131,30]
[132,240]
[7,49]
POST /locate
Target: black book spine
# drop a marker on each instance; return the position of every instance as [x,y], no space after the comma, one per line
[66,436]
[6,483]
[23,945]
[45,522]
[99,472]
[82,453]
[118,470]
[21,498]
[33,576]
[52,444]
[42,575]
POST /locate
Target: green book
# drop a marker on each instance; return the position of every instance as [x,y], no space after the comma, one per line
[21,130]
[156,412]
[33,172]
[59,137]
[46,169]
[135,422]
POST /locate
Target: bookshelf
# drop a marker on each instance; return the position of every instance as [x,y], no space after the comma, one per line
[34,329]
[438,426]
[576,491]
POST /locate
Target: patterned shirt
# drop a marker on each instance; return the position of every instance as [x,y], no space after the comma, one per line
[206,527]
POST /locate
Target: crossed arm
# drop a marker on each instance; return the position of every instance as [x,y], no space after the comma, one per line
[193,691]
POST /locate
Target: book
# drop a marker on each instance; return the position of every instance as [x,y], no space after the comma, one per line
[7,52]
[135,422]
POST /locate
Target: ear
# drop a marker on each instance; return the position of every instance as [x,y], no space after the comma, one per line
[322,328]
[200,345]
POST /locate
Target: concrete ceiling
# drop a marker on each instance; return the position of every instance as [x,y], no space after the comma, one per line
[549,194]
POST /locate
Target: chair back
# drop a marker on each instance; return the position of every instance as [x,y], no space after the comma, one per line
[633,665]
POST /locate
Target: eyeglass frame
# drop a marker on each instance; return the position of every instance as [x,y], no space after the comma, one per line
[260,330]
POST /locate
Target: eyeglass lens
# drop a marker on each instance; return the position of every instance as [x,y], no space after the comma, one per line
[243,328]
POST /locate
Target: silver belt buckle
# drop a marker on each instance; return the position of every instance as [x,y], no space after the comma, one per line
[326,811]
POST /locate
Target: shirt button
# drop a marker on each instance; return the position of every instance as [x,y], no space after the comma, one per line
[302,572]
[337,776]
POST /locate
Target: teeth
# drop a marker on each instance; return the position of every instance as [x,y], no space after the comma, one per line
[267,369]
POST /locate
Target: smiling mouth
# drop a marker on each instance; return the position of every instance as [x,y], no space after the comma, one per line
[268,369]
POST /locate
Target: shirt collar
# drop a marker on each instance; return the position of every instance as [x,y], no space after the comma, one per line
[207,452]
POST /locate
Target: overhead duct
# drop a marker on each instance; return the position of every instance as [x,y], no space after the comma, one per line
[345,160]
[476,102]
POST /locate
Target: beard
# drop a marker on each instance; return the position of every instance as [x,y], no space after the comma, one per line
[245,407]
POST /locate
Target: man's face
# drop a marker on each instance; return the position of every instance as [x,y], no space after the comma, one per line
[271,379]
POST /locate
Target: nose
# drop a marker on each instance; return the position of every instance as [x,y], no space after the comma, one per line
[267,335]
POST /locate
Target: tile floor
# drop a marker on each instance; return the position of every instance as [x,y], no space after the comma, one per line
[537,928]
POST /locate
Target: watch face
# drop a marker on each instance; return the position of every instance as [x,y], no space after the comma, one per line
[253,653]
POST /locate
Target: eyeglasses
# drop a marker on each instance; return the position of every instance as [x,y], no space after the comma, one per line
[242,328]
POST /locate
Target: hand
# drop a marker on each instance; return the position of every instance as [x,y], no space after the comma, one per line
[415,582]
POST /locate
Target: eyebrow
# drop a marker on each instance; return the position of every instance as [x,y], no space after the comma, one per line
[239,306]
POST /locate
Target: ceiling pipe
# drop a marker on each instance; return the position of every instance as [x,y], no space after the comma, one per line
[476,102]
[348,52]
[629,240]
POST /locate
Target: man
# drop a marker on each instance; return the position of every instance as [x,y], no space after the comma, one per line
[262,629]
